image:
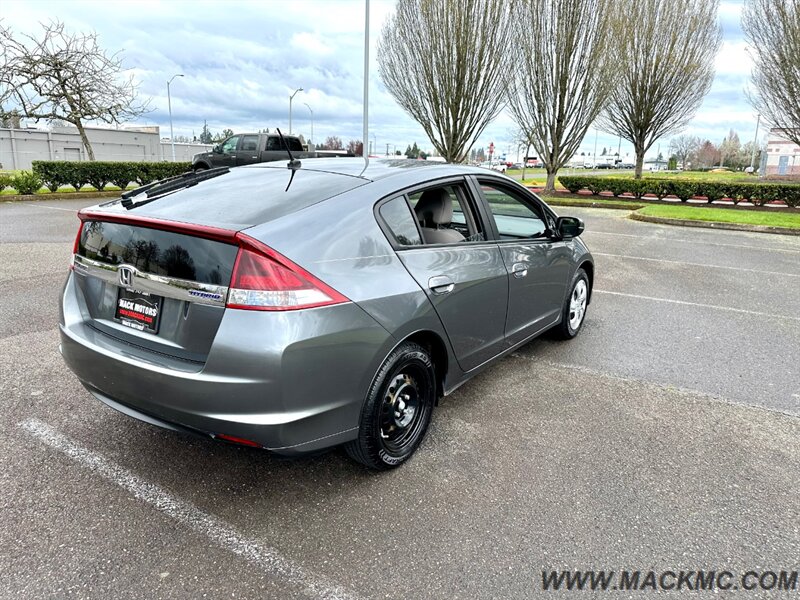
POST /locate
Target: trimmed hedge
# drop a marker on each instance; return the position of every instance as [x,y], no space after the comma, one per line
[757,193]
[98,174]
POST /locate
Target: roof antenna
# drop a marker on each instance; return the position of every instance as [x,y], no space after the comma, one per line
[293,162]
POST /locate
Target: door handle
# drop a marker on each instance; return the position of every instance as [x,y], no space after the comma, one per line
[441,285]
[519,270]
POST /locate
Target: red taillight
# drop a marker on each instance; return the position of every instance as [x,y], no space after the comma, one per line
[75,247]
[265,280]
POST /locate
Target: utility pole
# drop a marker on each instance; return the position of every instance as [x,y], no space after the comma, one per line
[594,155]
[755,142]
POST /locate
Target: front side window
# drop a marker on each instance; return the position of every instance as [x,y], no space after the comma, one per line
[229,145]
[513,218]
[400,222]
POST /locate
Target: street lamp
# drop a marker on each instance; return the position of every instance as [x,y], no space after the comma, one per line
[290,107]
[374,144]
[312,121]
[169,105]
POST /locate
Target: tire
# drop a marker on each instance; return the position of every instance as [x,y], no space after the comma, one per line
[572,320]
[397,411]
[200,167]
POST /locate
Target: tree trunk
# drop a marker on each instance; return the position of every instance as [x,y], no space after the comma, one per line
[550,186]
[85,139]
[639,163]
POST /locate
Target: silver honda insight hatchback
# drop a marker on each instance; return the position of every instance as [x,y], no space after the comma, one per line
[302,306]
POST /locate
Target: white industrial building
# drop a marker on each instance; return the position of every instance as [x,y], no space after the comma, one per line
[19,147]
[782,156]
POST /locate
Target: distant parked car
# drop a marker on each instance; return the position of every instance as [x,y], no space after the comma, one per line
[294,307]
[249,148]
[604,166]
[494,166]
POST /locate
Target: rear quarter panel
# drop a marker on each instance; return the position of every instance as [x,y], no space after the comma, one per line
[340,242]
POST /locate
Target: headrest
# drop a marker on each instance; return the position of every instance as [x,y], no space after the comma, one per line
[434,207]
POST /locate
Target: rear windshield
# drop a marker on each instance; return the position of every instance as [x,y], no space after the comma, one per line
[158,252]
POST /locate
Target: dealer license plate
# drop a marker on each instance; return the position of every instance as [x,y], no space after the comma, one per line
[138,310]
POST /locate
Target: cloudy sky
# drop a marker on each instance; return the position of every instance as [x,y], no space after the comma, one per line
[242,59]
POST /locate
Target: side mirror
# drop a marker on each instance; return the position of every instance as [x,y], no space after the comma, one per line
[217,149]
[569,227]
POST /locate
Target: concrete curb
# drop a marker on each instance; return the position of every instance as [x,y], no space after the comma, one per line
[58,196]
[715,225]
[588,204]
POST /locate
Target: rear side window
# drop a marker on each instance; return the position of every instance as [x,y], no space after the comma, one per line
[398,218]
[274,143]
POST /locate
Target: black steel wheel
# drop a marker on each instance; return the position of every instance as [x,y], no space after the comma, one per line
[398,409]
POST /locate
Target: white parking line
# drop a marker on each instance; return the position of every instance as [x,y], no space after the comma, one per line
[764,248]
[187,514]
[72,210]
[714,306]
[690,264]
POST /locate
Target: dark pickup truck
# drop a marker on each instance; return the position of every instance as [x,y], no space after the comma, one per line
[248,148]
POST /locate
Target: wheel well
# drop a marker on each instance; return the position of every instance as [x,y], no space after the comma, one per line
[435,346]
[589,268]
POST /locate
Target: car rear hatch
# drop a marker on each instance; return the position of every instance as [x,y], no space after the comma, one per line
[161,291]
[153,274]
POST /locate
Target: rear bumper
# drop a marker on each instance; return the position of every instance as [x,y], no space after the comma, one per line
[293,382]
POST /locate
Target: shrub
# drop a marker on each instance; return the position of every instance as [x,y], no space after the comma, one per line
[682,190]
[52,173]
[99,174]
[5,181]
[26,182]
[573,183]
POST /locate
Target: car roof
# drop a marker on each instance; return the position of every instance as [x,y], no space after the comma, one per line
[375,169]
[255,194]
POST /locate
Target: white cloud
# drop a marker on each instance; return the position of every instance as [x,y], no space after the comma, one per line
[241,60]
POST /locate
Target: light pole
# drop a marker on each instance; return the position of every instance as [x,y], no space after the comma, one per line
[365,122]
[169,105]
[312,121]
[290,107]
[374,144]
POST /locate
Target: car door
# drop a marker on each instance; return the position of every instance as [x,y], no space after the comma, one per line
[538,265]
[227,155]
[465,279]
[247,153]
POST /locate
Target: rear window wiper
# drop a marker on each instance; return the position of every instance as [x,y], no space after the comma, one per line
[159,188]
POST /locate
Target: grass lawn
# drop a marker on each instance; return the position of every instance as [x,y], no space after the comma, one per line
[722,215]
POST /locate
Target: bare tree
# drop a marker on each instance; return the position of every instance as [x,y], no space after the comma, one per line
[445,62]
[683,146]
[66,77]
[730,147]
[772,27]
[355,147]
[564,75]
[664,52]
[332,142]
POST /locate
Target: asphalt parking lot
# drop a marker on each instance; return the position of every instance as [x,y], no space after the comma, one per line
[666,436]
